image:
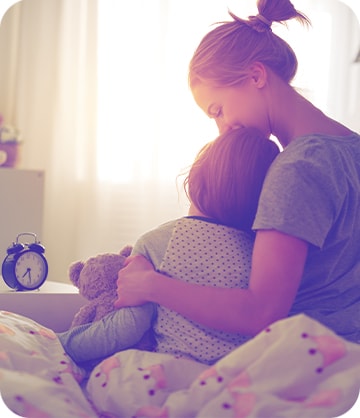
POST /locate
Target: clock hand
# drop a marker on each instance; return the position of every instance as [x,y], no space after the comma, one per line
[28,272]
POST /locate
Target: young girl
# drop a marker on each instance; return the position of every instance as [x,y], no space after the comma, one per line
[223,185]
[306,257]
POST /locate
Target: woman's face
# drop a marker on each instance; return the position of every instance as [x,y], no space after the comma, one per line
[234,107]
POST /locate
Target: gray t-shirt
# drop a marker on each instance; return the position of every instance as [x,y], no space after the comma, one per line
[312,191]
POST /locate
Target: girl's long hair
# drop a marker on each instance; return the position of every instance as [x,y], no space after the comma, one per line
[225,180]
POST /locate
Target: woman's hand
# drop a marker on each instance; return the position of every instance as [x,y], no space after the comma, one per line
[132,281]
[278,262]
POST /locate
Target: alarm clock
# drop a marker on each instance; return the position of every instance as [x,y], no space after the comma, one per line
[25,266]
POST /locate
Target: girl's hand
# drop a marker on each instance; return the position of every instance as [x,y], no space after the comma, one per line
[131,283]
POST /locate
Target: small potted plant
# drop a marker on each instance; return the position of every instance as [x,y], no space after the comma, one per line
[10,141]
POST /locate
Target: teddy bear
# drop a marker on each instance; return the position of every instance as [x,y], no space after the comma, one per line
[96,280]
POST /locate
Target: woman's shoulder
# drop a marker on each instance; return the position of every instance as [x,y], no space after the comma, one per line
[322,141]
[317,150]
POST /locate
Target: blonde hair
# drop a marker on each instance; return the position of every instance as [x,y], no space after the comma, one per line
[225,180]
[225,53]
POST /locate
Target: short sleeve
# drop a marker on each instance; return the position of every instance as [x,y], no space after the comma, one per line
[301,194]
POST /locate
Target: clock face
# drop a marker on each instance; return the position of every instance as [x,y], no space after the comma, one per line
[30,269]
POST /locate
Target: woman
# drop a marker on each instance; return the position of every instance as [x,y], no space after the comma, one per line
[305,256]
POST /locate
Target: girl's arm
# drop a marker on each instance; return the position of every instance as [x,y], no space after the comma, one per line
[119,330]
[277,266]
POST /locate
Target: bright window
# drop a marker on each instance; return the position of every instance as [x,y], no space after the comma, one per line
[149,126]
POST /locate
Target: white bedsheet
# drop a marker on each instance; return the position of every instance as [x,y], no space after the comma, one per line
[296,368]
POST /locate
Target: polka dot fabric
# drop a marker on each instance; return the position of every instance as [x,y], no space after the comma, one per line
[207,254]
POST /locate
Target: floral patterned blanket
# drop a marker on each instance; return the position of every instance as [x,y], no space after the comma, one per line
[295,368]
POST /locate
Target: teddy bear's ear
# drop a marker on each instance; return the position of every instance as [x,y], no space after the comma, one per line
[126,251]
[75,270]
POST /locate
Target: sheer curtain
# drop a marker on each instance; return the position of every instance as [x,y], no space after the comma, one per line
[48,90]
[99,91]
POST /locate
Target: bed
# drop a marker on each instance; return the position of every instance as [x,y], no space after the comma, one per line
[295,368]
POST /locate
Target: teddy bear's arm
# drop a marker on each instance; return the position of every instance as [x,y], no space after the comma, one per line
[86,314]
[104,305]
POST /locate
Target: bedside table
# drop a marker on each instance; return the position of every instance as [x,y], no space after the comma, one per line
[53,305]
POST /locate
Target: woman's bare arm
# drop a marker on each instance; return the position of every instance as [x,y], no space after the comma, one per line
[277,267]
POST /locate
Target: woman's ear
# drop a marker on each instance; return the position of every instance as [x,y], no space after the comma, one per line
[258,74]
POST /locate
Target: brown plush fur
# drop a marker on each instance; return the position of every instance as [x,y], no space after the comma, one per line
[96,280]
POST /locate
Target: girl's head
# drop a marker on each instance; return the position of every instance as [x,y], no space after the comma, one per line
[225,181]
[226,53]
